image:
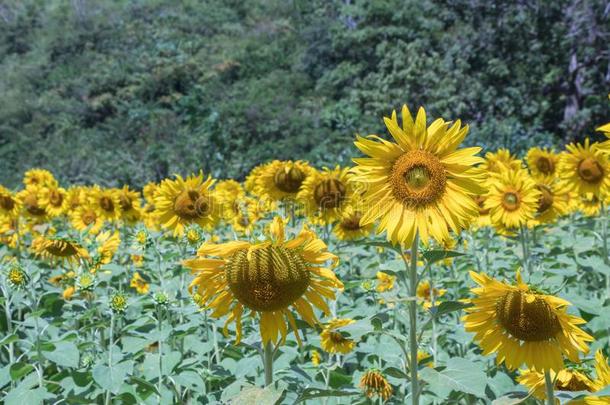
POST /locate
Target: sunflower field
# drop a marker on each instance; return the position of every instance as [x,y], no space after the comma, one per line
[427,273]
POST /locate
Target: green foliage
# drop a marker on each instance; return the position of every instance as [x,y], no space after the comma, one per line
[129,91]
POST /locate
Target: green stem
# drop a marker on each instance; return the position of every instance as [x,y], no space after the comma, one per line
[604,215]
[110,343]
[524,249]
[413,321]
[160,349]
[268,363]
[548,381]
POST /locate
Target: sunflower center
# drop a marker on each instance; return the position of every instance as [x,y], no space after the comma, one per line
[289,179]
[125,202]
[6,202]
[55,198]
[270,279]
[572,385]
[511,201]
[418,179]
[61,249]
[31,205]
[526,317]
[191,205]
[590,170]
[329,193]
[545,165]
[106,204]
[351,223]
[89,217]
[546,198]
[337,337]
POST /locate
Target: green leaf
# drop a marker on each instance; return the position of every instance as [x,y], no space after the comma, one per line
[20,369]
[512,398]
[145,388]
[395,372]
[311,393]
[459,375]
[65,354]
[29,396]
[111,378]
[255,396]
[433,256]
[9,339]
[446,307]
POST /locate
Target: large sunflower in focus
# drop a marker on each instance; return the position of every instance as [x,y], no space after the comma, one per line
[181,202]
[500,161]
[423,183]
[53,199]
[523,325]
[586,169]
[9,204]
[325,194]
[268,278]
[106,202]
[512,198]
[280,180]
[542,163]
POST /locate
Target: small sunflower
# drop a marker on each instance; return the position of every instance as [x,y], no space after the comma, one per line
[17,277]
[426,293]
[348,226]
[325,194]
[229,193]
[9,232]
[53,200]
[58,250]
[333,341]
[385,281]
[75,196]
[130,205]
[551,203]
[86,218]
[267,278]
[39,177]
[106,202]
[9,203]
[422,183]
[586,169]
[68,293]
[137,260]
[140,285]
[108,246]
[543,163]
[523,326]
[250,184]
[30,198]
[181,202]
[316,359]
[590,205]
[375,384]
[280,180]
[500,161]
[512,199]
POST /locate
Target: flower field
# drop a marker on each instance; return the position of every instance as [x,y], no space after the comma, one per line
[427,273]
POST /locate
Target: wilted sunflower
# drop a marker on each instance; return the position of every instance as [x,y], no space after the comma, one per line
[53,200]
[551,202]
[543,163]
[325,194]
[267,278]
[572,379]
[333,340]
[422,183]
[105,202]
[130,205]
[523,326]
[500,161]
[30,197]
[86,217]
[426,293]
[512,198]
[586,169]
[39,177]
[374,383]
[280,180]
[181,202]
[348,226]
[58,250]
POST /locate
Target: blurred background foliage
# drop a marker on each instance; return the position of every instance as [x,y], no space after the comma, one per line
[115,92]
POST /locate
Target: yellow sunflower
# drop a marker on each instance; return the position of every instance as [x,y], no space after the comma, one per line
[586,169]
[551,203]
[375,384]
[9,234]
[605,129]
[108,245]
[30,198]
[523,326]
[39,177]
[512,199]
[500,161]
[250,184]
[572,379]
[333,341]
[483,219]
[130,205]
[57,250]
[348,227]
[140,285]
[325,194]
[87,218]
[589,204]
[106,202]
[9,203]
[426,293]
[181,202]
[53,200]
[385,281]
[267,278]
[75,196]
[422,183]
[149,191]
[280,180]
[543,163]
[229,193]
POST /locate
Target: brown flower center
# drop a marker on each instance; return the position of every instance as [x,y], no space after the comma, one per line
[270,279]
[55,198]
[190,205]
[526,317]
[351,223]
[573,384]
[329,194]
[89,217]
[6,202]
[289,179]
[31,205]
[125,202]
[545,165]
[480,200]
[61,249]
[418,179]
[546,199]
[107,204]
[511,201]
[337,337]
[590,170]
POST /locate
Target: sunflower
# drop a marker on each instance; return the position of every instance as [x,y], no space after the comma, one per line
[422,183]
[9,203]
[589,204]
[325,194]
[500,161]
[129,203]
[573,379]
[53,200]
[348,227]
[58,250]
[108,246]
[605,129]
[181,202]
[9,234]
[230,193]
[333,341]
[75,196]
[149,191]
[86,218]
[267,278]
[512,199]
[542,163]
[586,169]
[281,180]
[250,184]
[39,177]
[316,359]
[426,293]
[33,209]
[375,384]
[551,203]
[523,325]
[483,219]
[140,285]
[106,202]
[385,281]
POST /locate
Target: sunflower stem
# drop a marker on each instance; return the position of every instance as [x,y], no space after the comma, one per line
[413,321]
[605,244]
[550,397]
[524,249]
[110,342]
[268,363]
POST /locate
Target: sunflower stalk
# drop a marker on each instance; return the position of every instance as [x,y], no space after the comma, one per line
[525,249]
[413,321]
[548,381]
[604,221]
[160,348]
[110,342]
[268,363]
